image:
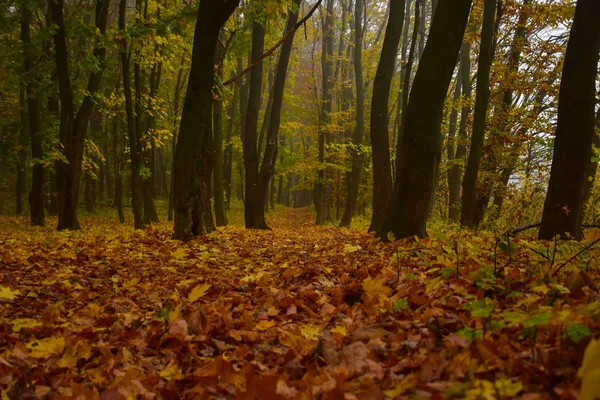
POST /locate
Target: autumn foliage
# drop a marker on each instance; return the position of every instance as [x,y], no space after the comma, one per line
[294,313]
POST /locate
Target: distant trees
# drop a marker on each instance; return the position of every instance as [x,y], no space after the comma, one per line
[564,205]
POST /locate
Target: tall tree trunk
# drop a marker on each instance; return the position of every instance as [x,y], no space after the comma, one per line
[418,170]
[254,205]
[228,157]
[219,194]
[117,162]
[469,197]
[73,126]
[359,129]
[132,131]
[382,170]
[406,76]
[453,183]
[176,97]
[193,163]
[563,208]
[22,155]
[321,200]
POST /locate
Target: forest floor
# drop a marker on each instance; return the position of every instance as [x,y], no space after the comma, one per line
[298,312]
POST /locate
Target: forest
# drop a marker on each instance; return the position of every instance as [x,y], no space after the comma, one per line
[299,199]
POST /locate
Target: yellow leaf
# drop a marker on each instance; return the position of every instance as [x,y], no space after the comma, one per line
[171,371]
[74,353]
[131,283]
[174,315]
[47,347]
[590,371]
[507,388]
[409,382]
[20,323]
[8,293]
[340,329]
[178,254]
[198,292]
[264,325]
[376,286]
[348,248]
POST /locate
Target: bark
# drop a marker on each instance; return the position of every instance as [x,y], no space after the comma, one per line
[357,138]
[132,130]
[176,97]
[74,125]
[406,76]
[563,208]
[117,162]
[219,195]
[321,197]
[453,182]
[193,162]
[22,155]
[593,164]
[418,170]
[469,186]
[382,170]
[228,157]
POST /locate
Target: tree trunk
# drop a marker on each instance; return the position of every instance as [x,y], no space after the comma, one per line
[21,155]
[359,129]
[469,186]
[563,208]
[254,204]
[228,157]
[117,161]
[219,194]
[382,170]
[453,182]
[321,203]
[176,96]
[593,164]
[73,126]
[193,162]
[132,131]
[421,144]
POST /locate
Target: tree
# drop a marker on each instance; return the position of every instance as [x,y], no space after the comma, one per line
[133,131]
[321,198]
[74,125]
[563,207]
[382,170]
[193,164]
[418,164]
[486,54]
[359,129]
[36,195]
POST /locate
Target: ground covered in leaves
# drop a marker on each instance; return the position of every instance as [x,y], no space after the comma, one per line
[295,313]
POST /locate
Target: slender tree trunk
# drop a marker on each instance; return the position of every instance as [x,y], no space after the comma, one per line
[321,203]
[228,157]
[359,129]
[219,194]
[22,155]
[382,170]
[132,131]
[73,126]
[469,199]
[193,163]
[418,170]
[406,75]
[117,162]
[176,97]
[254,204]
[453,183]
[563,208]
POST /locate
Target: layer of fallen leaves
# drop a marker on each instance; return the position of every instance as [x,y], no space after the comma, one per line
[295,313]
